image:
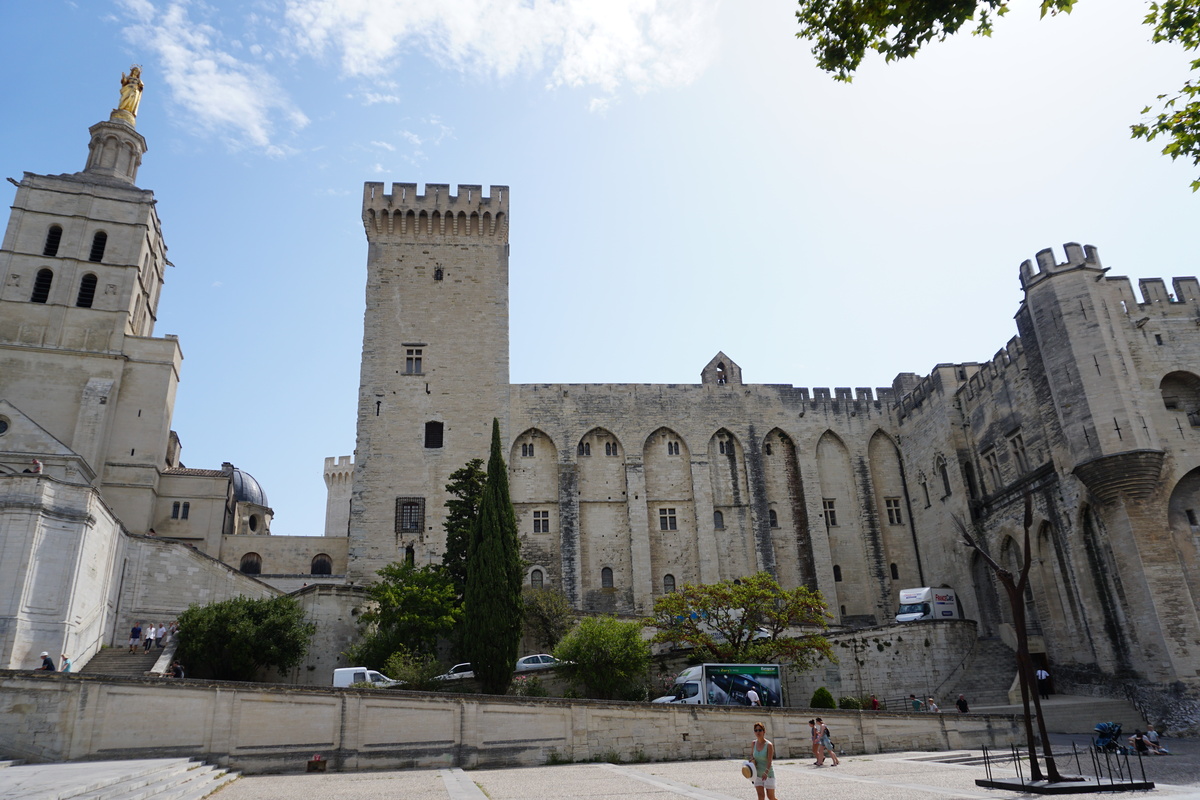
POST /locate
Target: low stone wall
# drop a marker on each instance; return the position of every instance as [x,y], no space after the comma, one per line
[269,728]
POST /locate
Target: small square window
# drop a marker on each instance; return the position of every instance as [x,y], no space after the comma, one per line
[666,519]
[541,522]
[828,506]
[412,361]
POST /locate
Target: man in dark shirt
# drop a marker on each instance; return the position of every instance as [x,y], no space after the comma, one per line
[135,637]
[47,663]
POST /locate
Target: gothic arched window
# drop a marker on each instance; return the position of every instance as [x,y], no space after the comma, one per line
[99,242]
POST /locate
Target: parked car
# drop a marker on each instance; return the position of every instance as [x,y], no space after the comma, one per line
[539,661]
[457,672]
[346,676]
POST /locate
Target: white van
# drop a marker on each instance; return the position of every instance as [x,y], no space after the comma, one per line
[346,676]
[927,603]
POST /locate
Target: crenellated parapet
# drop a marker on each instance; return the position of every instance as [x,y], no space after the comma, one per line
[437,215]
[1155,297]
[1078,257]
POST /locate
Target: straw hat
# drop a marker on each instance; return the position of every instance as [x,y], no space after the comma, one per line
[748,770]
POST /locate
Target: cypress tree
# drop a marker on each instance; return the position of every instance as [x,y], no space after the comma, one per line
[492,629]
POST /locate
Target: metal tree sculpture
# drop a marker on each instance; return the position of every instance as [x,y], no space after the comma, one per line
[1015,588]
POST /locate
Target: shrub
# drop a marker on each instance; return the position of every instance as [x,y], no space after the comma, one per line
[414,670]
[528,686]
[850,704]
[822,699]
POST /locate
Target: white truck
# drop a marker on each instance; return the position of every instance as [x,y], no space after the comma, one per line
[926,603]
[346,676]
[727,685]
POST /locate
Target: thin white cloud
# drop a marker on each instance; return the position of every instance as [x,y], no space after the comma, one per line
[411,138]
[605,44]
[385,146]
[375,98]
[237,99]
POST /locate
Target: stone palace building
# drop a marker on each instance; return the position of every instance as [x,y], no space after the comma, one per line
[623,491]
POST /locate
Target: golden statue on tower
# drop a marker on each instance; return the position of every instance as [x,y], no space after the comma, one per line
[131,96]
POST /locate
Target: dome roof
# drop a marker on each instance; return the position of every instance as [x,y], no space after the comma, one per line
[246,489]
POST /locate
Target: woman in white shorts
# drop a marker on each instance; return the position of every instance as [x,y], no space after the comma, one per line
[762,753]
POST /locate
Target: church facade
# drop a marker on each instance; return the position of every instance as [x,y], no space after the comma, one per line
[625,492]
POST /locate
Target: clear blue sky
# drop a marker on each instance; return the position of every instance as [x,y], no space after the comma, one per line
[684,180]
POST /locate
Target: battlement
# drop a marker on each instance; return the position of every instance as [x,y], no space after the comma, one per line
[1078,257]
[1154,291]
[437,214]
[341,466]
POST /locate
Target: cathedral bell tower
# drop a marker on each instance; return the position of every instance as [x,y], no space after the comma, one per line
[81,269]
[434,362]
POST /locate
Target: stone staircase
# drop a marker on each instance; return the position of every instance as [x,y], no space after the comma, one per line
[987,677]
[119,661]
[159,778]
[1070,714]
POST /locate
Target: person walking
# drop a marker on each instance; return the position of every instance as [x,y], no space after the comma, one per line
[961,704]
[47,663]
[148,640]
[1043,680]
[65,664]
[762,753]
[816,741]
[874,703]
[916,704]
[135,637]
[932,707]
[825,742]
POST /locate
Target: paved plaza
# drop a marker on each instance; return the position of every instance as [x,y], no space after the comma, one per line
[892,776]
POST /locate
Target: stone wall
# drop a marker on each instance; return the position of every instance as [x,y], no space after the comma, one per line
[334,611]
[257,729]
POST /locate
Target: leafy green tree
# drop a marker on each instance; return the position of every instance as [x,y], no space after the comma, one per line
[414,670]
[411,607]
[609,658]
[235,639]
[492,628]
[749,621]
[548,616]
[462,515]
[842,31]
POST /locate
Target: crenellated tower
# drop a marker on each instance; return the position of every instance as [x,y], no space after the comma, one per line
[434,361]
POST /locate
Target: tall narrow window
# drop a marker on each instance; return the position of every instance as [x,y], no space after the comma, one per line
[175,510]
[1019,454]
[251,564]
[585,448]
[541,522]
[87,291]
[773,517]
[993,467]
[99,242]
[53,238]
[672,448]
[895,517]
[536,579]
[945,477]
[187,508]
[410,555]
[668,584]
[41,286]
[433,434]
[829,507]
[412,361]
[606,578]
[321,565]
[895,572]
[666,519]
[718,520]
[610,448]
[527,450]
[837,573]
[724,448]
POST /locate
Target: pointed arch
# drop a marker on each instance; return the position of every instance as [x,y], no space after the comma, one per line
[894,512]
[844,533]
[786,498]
[670,507]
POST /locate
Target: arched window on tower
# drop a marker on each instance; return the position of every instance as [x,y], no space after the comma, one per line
[251,564]
[773,517]
[41,286]
[410,555]
[175,510]
[53,238]
[837,573]
[87,291]
[433,434]
[668,584]
[322,564]
[606,578]
[536,579]
[99,242]
[718,520]
[895,572]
